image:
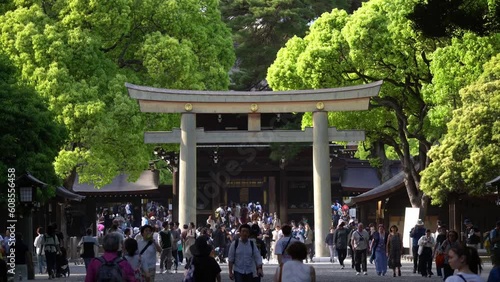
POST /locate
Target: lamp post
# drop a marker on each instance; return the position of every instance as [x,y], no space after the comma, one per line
[26,199]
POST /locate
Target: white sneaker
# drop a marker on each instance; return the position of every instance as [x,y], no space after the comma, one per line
[364,273]
[357,273]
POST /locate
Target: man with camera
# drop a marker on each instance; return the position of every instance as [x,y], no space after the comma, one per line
[359,241]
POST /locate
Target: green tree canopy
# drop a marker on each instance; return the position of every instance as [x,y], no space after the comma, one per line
[376,42]
[469,154]
[30,138]
[421,76]
[438,18]
[261,27]
[78,54]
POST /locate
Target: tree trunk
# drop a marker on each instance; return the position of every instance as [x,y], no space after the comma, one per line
[378,151]
[70,180]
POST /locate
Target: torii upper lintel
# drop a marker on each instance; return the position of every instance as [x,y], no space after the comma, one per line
[158,100]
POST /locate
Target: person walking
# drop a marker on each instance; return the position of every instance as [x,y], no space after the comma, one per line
[394,250]
[176,237]
[131,255]
[495,241]
[448,244]
[426,244]
[308,241]
[283,243]
[340,242]
[51,247]
[220,241]
[267,236]
[245,261]
[378,248]
[439,257]
[206,269]
[416,233]
[87,243]
[295,270]
[467,264]
[148,248]
[40,254]
[165,238]
[110,244]
[190,237]
[472,234]
[359,241]
[330,244]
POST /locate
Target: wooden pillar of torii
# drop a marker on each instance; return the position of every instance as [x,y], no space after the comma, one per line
[188,103]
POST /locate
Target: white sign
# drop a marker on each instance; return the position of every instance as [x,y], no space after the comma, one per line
[352,213]
[411,218]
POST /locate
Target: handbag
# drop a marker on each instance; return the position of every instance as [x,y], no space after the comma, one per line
[439,260]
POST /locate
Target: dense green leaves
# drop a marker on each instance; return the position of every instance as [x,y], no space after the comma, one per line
[469,155]
[438,18]
[261,27]
[30,137]
[378,42]
[421,76]
[78,54]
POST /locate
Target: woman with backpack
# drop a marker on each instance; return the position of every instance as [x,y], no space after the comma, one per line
[110,267]
[50,244]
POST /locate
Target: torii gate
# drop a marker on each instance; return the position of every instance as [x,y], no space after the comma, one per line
[188,103]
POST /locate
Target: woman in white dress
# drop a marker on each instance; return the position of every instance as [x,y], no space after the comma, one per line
[295,270]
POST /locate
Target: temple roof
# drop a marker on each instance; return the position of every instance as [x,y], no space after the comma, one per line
[65,193]
[384,189]
[361,178]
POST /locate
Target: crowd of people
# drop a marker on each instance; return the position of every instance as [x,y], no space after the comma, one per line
[245,237]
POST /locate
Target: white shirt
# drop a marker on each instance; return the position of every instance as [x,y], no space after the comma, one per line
[281,246]
[148,258]
[38,244]
[468,278]
[296,271]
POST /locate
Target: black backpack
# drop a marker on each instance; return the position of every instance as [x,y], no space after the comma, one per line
[165,239]
[261,245]
[110,271]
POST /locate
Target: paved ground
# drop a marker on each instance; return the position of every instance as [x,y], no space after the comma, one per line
[325,272]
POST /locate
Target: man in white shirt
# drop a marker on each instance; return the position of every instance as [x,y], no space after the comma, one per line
[359,241]
[147,250]
[283,243]
[245,261]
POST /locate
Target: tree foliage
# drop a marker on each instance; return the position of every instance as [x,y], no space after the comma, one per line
[469,154]
[260,28]
[378,42]
[453,67]
[78,54]
[30,138]
[438,18]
